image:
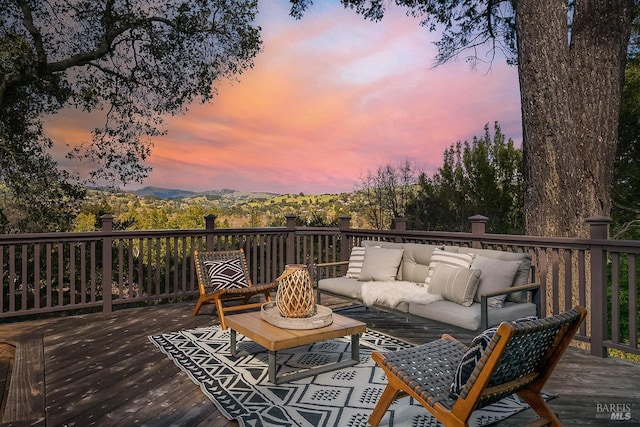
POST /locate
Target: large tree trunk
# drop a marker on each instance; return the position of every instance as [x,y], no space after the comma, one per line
[571,82]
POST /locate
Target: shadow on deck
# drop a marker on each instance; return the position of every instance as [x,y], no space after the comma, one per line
[102,370]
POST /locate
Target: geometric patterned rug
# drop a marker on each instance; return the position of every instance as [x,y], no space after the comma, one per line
[241,390]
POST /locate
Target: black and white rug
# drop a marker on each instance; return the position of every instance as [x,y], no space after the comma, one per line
[240,388]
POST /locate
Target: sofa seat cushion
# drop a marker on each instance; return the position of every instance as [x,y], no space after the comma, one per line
[469,317]
[392,294]
[344,286]
[352,289]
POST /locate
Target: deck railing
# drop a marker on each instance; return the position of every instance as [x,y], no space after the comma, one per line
[50,272]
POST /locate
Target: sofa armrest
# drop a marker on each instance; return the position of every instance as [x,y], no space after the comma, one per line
[534,288]
[331,264]
[316,275]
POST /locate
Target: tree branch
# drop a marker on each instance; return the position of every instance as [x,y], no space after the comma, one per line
[35,33]
[626,208]
[105,45]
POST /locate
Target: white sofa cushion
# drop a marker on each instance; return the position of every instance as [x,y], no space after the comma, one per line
[496,275]
[380,264]
[522,277]
[449,258]
[356,259]
[455,284]
[469,317]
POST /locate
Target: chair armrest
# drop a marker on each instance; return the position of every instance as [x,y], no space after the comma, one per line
[534,288]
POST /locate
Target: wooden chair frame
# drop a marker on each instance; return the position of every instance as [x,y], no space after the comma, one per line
[519,359]
[210,295]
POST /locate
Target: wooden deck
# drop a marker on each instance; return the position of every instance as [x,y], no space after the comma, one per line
[102,370]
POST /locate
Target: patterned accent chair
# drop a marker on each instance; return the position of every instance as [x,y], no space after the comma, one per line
[224,276]
[518,358]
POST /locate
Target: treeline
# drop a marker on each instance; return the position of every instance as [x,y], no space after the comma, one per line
[134,212]
[483,176]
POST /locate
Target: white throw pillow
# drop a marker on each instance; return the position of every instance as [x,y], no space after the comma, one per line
[453,259]
[380,264]
[496,275]
[456,284]
[356,259]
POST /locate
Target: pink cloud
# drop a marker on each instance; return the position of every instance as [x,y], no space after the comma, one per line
[331,97]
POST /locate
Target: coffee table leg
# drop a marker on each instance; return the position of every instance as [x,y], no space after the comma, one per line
[272,367]
[355,347]
[234,350]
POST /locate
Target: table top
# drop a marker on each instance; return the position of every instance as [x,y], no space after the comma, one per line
[253,326]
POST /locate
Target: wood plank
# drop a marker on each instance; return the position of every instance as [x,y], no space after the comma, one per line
[131,382]
[26,396]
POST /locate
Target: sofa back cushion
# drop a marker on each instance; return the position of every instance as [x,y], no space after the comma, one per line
[415,262]
[497,274]
[522,275]
[415,259]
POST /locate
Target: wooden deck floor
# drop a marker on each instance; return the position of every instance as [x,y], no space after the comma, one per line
[102,370]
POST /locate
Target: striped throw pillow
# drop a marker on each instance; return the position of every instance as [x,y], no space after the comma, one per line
[356,259]
[452,259]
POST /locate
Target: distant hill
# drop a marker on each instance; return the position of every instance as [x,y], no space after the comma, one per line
[173,194]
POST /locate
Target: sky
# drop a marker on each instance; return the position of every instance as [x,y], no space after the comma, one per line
[330,98]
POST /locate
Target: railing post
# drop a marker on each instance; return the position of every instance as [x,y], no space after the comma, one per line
[290,257]
[599,231]
[345,249]
[400,225]
[478,229]
[209,225]
[107,267]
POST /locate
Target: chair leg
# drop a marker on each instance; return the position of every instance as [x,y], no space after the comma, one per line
[538,404]
[198,306]
[386,399]
[220,310]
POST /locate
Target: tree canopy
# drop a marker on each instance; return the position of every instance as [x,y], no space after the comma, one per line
[131,63]
[626,188]
[570,58]
[481,177]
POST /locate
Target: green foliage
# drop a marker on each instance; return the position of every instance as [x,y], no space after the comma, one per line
[130,63]
[626,188]
[482,177]
[624,273]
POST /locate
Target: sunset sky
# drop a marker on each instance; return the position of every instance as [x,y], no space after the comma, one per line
[330,98]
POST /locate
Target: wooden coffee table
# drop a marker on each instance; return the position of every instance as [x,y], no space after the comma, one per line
[273,338]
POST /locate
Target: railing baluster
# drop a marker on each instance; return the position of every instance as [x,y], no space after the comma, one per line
[633,301]
[615,298]
[24,274]
[45,272]
[12,278]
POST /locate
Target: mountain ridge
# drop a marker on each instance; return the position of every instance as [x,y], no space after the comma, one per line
[174,193]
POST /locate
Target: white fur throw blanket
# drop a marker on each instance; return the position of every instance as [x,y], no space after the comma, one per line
[391,294]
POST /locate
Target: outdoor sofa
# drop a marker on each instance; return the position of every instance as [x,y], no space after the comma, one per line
[470,288]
